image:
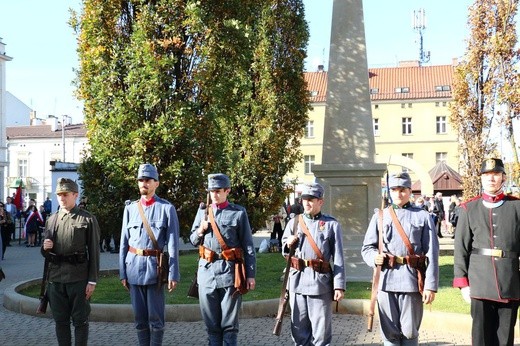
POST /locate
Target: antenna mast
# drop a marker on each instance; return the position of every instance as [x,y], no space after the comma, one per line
[419,25]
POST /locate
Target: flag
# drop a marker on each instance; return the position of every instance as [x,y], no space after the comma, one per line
[18,198]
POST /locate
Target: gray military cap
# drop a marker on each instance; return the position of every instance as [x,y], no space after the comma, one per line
[218,181]
[147,171]
[64,185]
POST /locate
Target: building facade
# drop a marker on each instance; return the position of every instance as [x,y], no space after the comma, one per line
[35,151]
[3,97]
[410,116]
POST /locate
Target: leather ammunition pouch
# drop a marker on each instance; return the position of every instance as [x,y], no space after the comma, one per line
[414,261]
[233,254]
[75,258]
[315,264]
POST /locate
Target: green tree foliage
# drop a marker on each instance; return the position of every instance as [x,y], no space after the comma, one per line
[194,87]
[486,87]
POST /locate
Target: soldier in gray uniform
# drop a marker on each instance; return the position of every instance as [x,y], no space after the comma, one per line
[71,244]
[314,282]
[219,301]
[487,247]
[400,304]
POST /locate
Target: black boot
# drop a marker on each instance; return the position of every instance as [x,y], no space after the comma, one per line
[63,334]
[2,275]
[143,335]
[156,337]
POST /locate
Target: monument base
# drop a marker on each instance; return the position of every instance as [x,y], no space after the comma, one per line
[352,192]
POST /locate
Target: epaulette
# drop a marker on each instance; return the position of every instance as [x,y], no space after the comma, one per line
[512,198]
[464,204]
[327,216]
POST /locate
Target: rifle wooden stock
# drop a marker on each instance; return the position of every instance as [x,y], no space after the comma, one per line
[44,298]
[284,295]
[373,297]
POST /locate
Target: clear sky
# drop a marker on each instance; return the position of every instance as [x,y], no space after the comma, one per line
[43,46]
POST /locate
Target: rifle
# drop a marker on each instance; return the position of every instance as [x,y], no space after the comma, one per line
[284,294]
[44,297]
[193,290]
[377,269]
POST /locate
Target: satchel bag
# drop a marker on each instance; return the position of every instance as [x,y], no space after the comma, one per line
[193,291]
[164,265]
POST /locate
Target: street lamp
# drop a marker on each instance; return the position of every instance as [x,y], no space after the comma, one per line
[63,135]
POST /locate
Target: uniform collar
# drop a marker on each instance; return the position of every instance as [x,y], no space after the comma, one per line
[315,217]
[493,198]
[146,203]
[405,206]
[221,205]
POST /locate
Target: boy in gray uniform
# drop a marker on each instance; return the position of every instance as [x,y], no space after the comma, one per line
[400,304]
[219,302]
[316,279]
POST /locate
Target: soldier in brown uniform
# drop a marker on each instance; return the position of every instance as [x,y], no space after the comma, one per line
[486,269]
[72,247]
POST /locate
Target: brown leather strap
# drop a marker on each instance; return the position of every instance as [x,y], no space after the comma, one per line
[147,225]
[214,226]
[315,264]
[143,252]
[311,240]
[400,229]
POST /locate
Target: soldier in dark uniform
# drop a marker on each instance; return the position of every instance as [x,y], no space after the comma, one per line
[219,302]
[487,247]
[71,243]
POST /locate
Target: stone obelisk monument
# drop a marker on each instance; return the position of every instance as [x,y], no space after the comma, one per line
[349,174]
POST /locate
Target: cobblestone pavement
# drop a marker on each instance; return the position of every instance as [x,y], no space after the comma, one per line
[17,329]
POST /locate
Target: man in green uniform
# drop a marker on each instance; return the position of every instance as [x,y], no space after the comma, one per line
[72,247]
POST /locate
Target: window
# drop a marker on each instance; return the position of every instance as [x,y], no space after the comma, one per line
[308,163]
[22,168]
[403,105]
[441,88]
[309,129]
[407,126]
[410,156]
[441,157]
[374,91]
[403,90]
[437,104]
[440,124]
[375,124]
[376,106]
[313,93]
[409,105]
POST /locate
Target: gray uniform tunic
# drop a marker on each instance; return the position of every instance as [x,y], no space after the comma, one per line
[311,292]
[399,302]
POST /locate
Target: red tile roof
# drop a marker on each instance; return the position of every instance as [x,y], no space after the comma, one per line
[421,82]
[44,131]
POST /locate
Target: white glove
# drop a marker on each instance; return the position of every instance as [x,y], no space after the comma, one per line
[466,294]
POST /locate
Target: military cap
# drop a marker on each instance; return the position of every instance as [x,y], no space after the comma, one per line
[401,179]
[147,171]
[313,190]
[64,185]
[218,181]
[492,165]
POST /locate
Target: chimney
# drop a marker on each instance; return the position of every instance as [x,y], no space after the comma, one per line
[321,68]
[53,121]
[454,61]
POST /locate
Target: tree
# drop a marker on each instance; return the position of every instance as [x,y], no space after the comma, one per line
[194,88]
[485,87]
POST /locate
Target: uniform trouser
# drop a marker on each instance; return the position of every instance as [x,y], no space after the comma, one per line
[148,305]
[493,322]
[67,301]
[219,311]
[311,319]
[400,316]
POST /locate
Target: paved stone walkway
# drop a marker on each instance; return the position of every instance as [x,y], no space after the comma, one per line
[22,264]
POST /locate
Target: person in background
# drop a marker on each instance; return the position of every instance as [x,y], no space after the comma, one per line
[219,301]
[11,209]
[47,206]
[5,231]
[438,210]
[277,231]
[315,279]
[487,247]
[33,223]
[138,256]
[400,303]
[71,246]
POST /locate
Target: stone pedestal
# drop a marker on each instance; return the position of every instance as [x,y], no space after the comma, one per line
[349,174]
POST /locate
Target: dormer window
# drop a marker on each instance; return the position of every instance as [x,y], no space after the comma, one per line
[441,88]
[313,93]
[402,90]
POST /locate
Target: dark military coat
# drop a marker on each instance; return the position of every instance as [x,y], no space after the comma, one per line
[491,226]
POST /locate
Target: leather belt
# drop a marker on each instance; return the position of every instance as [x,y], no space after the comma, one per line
[315,264]
[401,260]
[495,253]
[143,252]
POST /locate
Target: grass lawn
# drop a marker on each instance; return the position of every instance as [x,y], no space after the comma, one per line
[268,285]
